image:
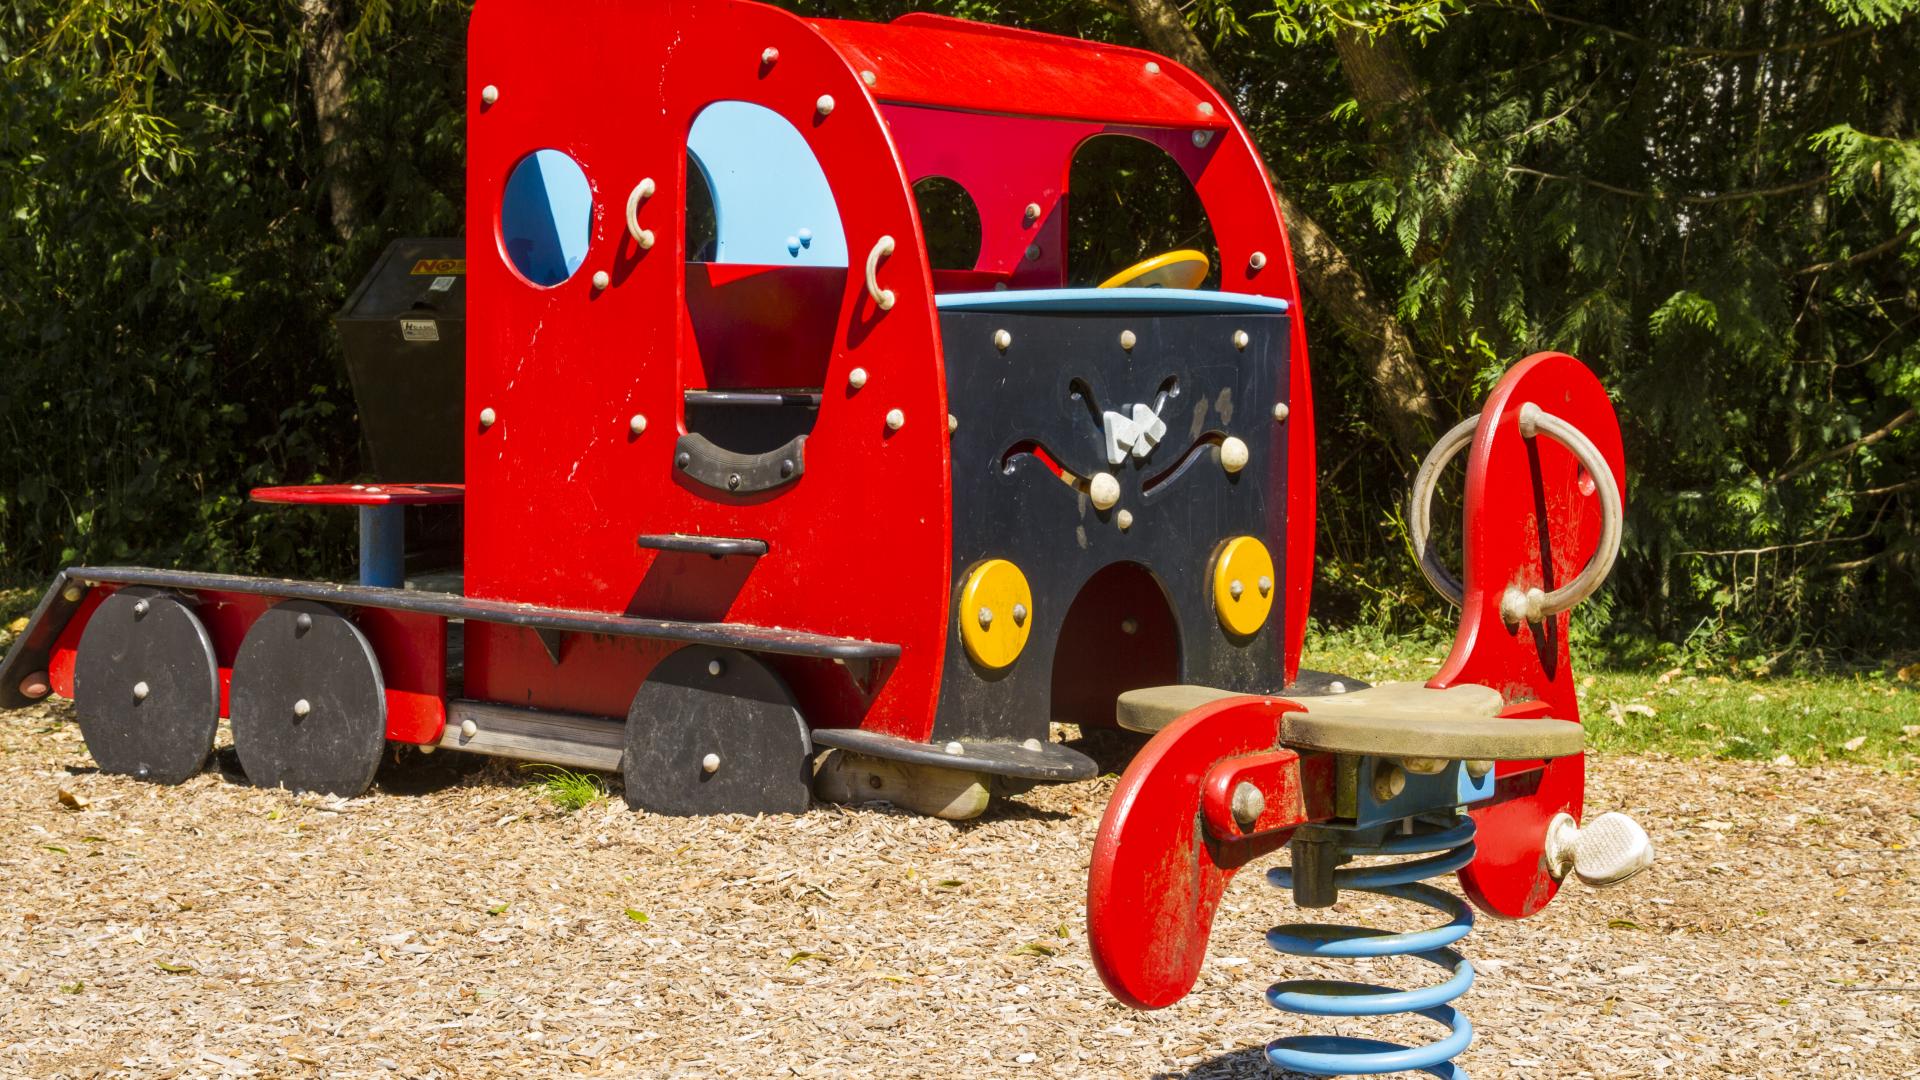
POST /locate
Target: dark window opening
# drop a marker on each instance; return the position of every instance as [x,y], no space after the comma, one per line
[951,222]
[1128,201]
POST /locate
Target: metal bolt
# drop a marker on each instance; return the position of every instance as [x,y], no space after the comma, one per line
[1032,212]
[953,423]
[769,56]
[1002,340]
[896,419]
[1234,588]
[72,594]
[1248,804]
[986,618]
[302,708]
[428,748]
[715,667]
[140,691]
[1241,340]
[710,763]
[1129,626]
[638,424]
[303,622]
[1280,411]
[1019,614]
[1389,780]
[601,279]
[1153,68]
[1031,744]
[468,729]
[1124,519]
[1479,769]
[955,748]
[1128,340]
[139,609]
[1206,108]
[488,416]
[824,105]
[1202,138]
[786,467]
[1337,687]
[489,94]
[1258,261]
[1033,252]
[857,378]
[1425,766]
[1266,584]
[868,77]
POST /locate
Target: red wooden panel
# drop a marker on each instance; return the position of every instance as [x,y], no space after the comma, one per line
[930,60]
[360,494]
[860,545]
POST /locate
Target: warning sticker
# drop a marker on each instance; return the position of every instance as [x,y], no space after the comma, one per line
[419,330]
[437,267]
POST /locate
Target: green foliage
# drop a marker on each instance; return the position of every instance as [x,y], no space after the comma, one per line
[566,789]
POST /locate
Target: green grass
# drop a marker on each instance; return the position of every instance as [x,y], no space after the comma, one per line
[566,789]
[1871,717]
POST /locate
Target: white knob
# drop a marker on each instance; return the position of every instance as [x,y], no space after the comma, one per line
[1104,490]
[468,729]
[1233,454]
[140,691]
[302,707]
[1605,851]
[857,378]
[710,763]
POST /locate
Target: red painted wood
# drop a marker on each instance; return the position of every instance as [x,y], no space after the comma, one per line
[66,647]
[1277,776]
[1154,880]
[361,494]
[930,60]
[1506,534]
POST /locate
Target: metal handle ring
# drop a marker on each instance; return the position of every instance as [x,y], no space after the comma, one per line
[883,298]
[1521,605]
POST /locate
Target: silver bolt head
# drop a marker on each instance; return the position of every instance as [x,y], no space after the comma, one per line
[140,691]
[638,424]
[1019,614]
[824,105]
[468,729]
[1032,212]
[1002,340]
[489,94]
[1266,584]
[896,419]
[857,378]
[1124,519]
[1248,803]
[1241,340]
[1280,410]
[710,763]
[488,416]
[602,279]
[1258,260]
[73,593]
[1129,625]
[769,56]
[303,622]
[1031,744]
[302,708]
[1128,339]
[715,667]
[1338,687]
[986,618]
[140,608]
[955,748]
[1234,588]
[1389,780]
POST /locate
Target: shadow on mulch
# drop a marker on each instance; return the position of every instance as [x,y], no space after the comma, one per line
[1236,1065]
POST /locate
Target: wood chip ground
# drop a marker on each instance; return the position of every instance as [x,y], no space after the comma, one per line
[453,923]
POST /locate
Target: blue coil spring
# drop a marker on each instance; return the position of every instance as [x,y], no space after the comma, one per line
[1342,1055]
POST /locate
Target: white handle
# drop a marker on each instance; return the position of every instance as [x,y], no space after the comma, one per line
[1520,605]
[642,190]
[883,298]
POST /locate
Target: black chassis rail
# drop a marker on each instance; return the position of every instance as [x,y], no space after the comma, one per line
[32,648]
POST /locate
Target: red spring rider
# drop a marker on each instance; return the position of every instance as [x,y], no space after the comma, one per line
[1479,772]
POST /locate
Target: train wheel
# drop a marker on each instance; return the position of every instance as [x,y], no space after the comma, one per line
[715,731]
[146,687]
[308,705]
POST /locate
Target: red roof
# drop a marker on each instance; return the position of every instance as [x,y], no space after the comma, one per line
[923,59]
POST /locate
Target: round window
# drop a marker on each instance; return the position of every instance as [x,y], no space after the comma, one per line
[546,216]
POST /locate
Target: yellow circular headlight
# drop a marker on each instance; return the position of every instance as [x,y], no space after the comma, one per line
[1243,585]
[996,613]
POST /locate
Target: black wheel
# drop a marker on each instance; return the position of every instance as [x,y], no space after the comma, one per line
[146,687]
[307,704]
[715,731]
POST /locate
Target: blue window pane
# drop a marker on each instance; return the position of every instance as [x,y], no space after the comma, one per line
[546,216]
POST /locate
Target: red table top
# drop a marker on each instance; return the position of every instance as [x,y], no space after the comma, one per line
[362,494]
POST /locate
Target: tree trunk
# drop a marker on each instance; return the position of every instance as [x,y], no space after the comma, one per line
[1339,287]
[323,42]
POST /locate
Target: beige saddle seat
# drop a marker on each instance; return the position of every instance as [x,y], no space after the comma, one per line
[1396,719]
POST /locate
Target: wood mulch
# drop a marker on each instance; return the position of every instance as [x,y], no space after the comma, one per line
[454,923]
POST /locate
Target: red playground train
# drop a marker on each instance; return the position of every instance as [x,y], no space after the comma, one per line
[800,490]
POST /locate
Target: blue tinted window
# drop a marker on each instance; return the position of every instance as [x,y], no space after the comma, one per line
[546,216]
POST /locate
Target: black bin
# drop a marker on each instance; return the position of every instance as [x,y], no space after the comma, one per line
[405,336]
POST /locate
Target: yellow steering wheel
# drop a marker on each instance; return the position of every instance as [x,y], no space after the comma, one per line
[1184,269]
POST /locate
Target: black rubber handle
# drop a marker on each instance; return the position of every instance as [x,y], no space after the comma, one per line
[741,474]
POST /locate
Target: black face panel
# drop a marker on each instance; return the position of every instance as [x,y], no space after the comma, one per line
[1044,397]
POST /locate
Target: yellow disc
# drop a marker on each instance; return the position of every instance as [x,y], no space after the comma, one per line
[996,613]
[1183,269]
[1243,585]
